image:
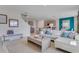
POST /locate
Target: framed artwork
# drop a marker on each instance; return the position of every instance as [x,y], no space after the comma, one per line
[13,23]
[3,19]
[66,23]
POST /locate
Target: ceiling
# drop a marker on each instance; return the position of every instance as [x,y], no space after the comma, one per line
[42,11]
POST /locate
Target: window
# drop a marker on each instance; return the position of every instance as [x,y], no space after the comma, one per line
[13,23]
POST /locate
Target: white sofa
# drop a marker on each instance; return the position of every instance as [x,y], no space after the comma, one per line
[36,40]
[67,44]
[43,42]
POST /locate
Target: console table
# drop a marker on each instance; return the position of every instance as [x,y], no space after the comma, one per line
[12,37]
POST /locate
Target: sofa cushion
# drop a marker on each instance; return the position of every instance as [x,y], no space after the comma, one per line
[71,35]
[65,34]
[77,37]
[68,34]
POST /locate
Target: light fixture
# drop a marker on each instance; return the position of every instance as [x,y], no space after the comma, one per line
[51,24]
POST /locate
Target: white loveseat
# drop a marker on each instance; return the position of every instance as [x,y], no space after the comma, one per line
[68,44]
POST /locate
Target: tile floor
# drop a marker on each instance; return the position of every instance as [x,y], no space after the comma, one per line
[20,46]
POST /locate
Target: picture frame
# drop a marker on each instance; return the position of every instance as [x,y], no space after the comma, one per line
[13,23]
[3,19]
[68,23]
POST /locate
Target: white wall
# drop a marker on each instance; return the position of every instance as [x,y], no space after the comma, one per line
[23,28]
